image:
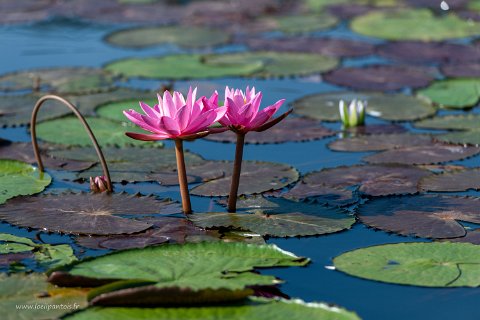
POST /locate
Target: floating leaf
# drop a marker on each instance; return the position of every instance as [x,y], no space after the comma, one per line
[459,180]
[180,67]
[327,46]
[19,178]
[278,218]
[84,213]
[465,70]
[380,142]
[453,93]
[473,236]
[114,110]
[436,153]
[414,24]
[382,77]
[388,128]
[435,264]
[452,122]
[373,180]
[277,64]
[471,137]
[182,36]
[195,266]
[395,107]
[321,193]
[33,290]
[69,131]
[305,23]
[61,80]
[291,129]
[261,309]
[426,216]
[256,177]
[428,52]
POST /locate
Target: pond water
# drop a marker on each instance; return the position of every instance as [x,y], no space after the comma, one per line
[61,42]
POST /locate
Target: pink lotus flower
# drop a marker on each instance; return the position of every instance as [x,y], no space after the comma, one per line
[99,184]
[176,118]
[244,114]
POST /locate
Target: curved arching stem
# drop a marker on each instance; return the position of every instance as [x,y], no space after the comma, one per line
[33,130]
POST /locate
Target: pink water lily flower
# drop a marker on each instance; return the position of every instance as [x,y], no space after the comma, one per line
[244,114]
[176,118]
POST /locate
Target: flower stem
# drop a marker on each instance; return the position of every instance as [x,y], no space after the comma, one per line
[182,177]
[237,168]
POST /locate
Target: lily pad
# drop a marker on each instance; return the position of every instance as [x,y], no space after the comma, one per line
[69,131]
[470,137]
[327,46]
[321,193]
[371,129]
[414,24]
[289,130]
[256,177]
[181,67]
[276,64]
[380,142]
[373,180]
[453,93]
[182,36]
[84,213]
[32,290]
[60,80]
[278,217]
[382,77]
[458,180]
[257,308]
[426,216]
[395,107]
[114,110]
[473,236]
[468,124]
[194,266]
[19,178]
[436,264]
[436,153]
[429,52]
[295,24]
[465,70]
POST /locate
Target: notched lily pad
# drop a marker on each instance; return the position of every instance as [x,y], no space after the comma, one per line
[467,124]
[59,80]
[434,264]
[289,130]
[394,107]
[180,35]
[319,192]
[435,153]
[380,142]
[382,77]
[256,177]
[373,180]
[462,70]
[426,216]
[84,213]
[278,218]
[453,181]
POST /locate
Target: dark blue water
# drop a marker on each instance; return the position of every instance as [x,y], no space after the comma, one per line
[73,43]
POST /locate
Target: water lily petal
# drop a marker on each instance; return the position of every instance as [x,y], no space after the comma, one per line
[169,109]
[147,137]
[170,126]
[149,111]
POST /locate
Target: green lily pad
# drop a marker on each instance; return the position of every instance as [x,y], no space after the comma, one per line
[85,213]
[69,131]
[256,177]
[306,23]
[180,67]
[277,64]
[194,266]
[59,80]
[182,36]
[19,178]
[257,308]
[469,137]
[414,24]
[452,122]
[426,216]
[33,289]
[320,4]
[114,110]
[454,93]
[278,218]
[435,264]
[394,107]
[458,180]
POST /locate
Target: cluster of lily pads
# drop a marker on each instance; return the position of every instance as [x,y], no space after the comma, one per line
[206,263]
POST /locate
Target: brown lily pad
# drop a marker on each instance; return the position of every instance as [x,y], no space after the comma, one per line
[9,258]
[256,177]
[24,11]
[380,142]
[382,77]
[348,10]
[453,181]
[426,216]
[429,52]
[84,213]
[289,130]
[371,129]
[472,236]
[436,153]
[372,180]
[462,70]
[321,193]
[325,46]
